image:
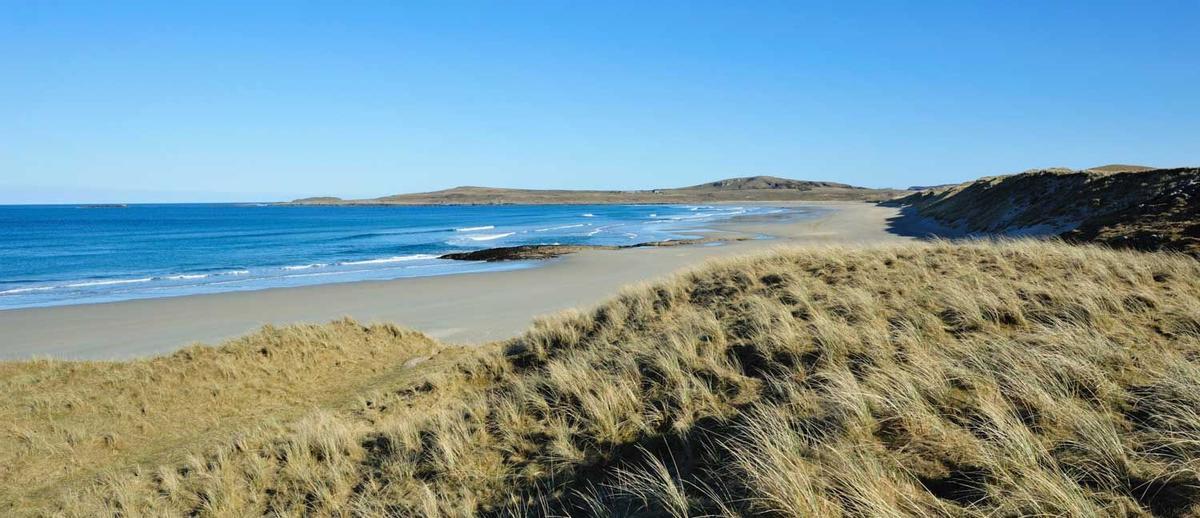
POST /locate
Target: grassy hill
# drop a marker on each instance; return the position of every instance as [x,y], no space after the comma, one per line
[754,188]
[1119,205]
[1121,168]
[920,380]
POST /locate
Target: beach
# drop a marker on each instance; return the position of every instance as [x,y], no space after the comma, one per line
[463,308]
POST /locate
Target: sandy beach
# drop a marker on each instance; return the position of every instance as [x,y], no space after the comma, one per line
[466,308]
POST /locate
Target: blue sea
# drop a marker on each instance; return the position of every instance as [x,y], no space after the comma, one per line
[65,254]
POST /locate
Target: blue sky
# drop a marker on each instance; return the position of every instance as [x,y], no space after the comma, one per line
[184,101]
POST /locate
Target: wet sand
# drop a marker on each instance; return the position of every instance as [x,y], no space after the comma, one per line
[466,308]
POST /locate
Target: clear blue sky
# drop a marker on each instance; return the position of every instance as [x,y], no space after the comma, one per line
[172,101]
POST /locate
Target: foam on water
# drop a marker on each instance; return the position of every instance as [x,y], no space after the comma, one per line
[489,237]
[305,266]
[110,282]
[562,227]
[26,290]
[396,259]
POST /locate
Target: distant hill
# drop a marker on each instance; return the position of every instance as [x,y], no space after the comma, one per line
[928,187]
[1120,205]
[319,199]
[752,188]
[752,183]
[1121,168]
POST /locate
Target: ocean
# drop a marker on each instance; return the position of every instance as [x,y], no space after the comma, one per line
[66,254]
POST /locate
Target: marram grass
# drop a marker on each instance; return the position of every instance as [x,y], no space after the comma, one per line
[979,379]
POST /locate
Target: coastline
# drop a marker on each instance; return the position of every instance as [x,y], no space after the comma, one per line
[460,308]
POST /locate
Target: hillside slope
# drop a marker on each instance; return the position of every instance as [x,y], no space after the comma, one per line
[754,188]
[1155,209]
[65,421]
[919,380]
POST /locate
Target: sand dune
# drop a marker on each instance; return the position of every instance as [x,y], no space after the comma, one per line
[1119,205]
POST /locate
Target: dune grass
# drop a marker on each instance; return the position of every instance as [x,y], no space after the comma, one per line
[64,422]
[979,379]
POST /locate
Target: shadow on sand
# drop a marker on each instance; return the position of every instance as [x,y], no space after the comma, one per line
[910,224]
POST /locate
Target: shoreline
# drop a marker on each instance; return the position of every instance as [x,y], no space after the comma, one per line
[459,308]
[244,251]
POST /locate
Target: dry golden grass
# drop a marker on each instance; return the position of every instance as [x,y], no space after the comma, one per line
[982,379]
[63,422]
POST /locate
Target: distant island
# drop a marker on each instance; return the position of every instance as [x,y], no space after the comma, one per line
[752,188]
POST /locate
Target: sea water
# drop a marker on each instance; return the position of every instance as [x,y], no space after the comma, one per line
[66,254]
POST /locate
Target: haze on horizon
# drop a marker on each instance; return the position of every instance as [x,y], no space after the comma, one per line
[136,102]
